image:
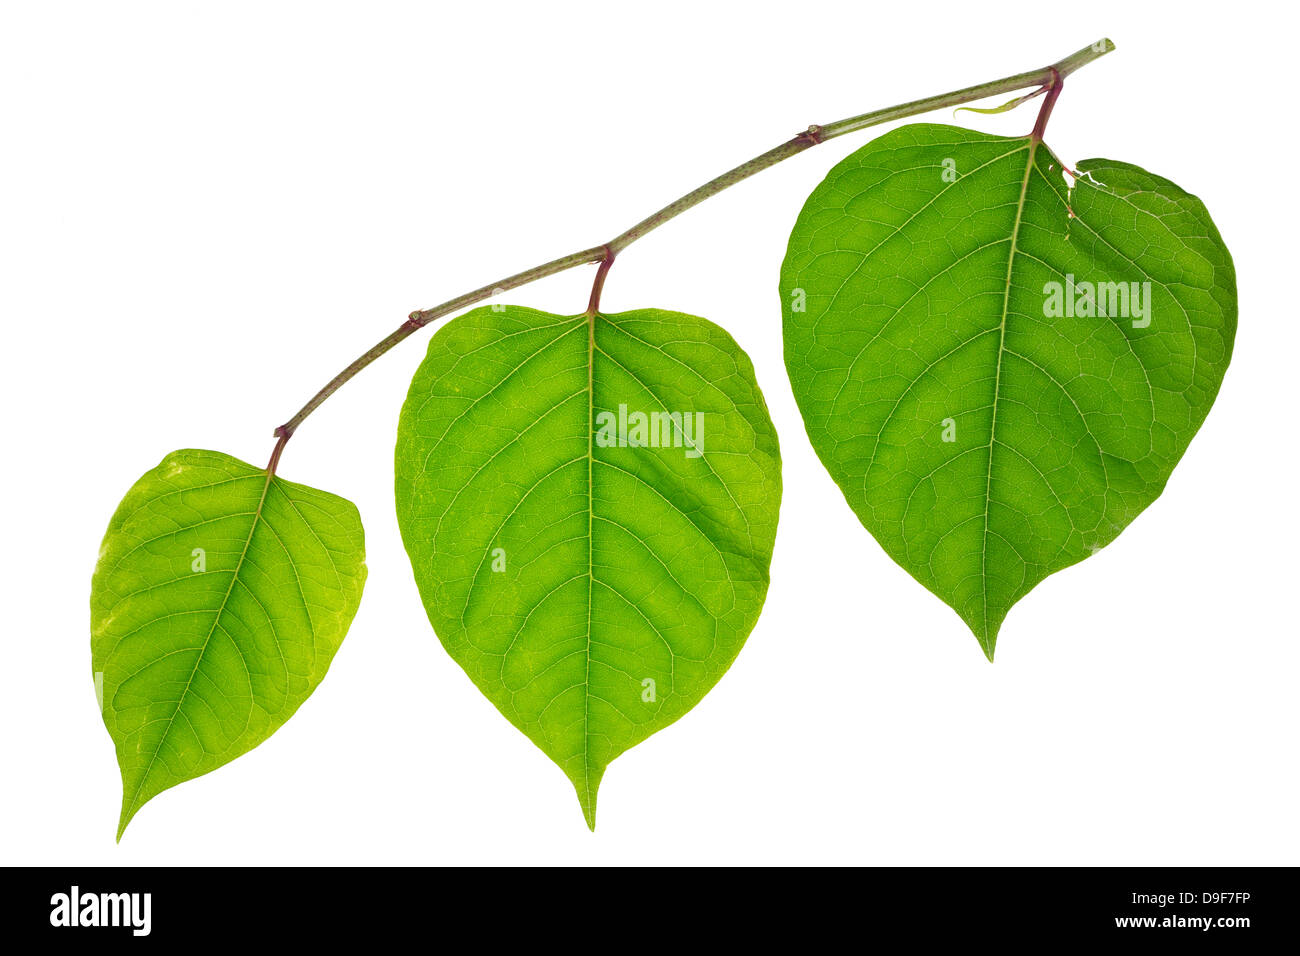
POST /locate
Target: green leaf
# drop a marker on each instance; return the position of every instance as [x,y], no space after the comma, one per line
[983,432]
[593,580]
[219,599]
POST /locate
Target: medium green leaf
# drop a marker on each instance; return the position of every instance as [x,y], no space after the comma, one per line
[594,581]
[217,604]
[986,434]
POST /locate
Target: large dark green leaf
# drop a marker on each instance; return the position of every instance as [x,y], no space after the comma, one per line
[972,365]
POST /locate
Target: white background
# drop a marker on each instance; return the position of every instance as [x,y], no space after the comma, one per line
[209,211]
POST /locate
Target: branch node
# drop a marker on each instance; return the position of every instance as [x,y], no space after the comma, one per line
[812,135]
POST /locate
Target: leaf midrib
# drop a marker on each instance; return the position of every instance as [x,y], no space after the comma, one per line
[129,810]
[589,809]
[997,382]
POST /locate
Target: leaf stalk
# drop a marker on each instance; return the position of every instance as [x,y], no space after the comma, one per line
[593,304]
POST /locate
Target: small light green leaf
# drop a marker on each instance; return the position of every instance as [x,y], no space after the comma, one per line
[1006,107]
[998,369]
[589,506]
[217,604]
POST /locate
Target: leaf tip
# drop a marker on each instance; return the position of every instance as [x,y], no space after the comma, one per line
[587,783]
[587,800]
[131,805]
[122,822]
[985,627]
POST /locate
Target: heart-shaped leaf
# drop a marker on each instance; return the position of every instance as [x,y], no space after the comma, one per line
[589,505]
[998,369]
[220,597]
